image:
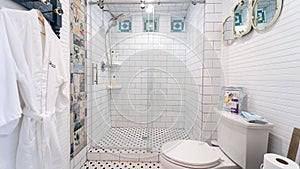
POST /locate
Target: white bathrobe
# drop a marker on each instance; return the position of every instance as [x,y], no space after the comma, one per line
[14,74]
[38,142]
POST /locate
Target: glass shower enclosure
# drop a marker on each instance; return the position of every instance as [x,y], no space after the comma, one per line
[149,92]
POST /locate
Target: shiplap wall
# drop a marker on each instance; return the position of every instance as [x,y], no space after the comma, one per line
[267,64]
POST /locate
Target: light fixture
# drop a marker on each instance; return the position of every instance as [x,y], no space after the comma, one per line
[150,8]
[142,5]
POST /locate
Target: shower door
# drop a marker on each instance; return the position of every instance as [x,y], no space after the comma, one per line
[158,84]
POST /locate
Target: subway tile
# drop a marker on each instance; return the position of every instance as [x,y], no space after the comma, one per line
[213,36]
[218,8]
[209,8]
[212,18]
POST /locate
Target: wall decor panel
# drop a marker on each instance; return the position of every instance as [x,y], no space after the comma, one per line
[78,90]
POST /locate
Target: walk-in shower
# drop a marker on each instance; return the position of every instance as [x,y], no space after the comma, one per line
[157,91]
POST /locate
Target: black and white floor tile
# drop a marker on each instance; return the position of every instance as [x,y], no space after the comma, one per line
[120,165]
[135,139]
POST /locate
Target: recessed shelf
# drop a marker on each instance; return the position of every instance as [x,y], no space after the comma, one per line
[116,63]
[110,87]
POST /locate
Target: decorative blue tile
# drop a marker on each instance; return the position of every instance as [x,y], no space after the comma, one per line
[125,26]
[78,57]
[261,16]
[177,25]
[150,26]
[238,19]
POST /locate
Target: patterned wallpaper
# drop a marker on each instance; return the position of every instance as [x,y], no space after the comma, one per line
[78,55]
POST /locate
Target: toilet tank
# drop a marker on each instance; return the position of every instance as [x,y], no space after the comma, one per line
[245,143]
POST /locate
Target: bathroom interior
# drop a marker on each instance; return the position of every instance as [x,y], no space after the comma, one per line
[147,80]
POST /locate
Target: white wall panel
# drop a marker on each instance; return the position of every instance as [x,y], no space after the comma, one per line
[267,64]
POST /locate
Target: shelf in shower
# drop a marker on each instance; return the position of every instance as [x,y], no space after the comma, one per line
[116,63]
[110,87]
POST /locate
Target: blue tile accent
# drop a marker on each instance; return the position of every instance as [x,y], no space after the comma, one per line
[150,26]
[177,25]
[238,19]
[261,16]
[125,26]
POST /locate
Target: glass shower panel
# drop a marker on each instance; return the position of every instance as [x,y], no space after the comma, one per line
[158,74]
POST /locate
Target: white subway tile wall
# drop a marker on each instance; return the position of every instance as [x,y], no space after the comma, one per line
[194,63]
[267,64]
[152,77]
[212,72]
[155,66]
[98,116]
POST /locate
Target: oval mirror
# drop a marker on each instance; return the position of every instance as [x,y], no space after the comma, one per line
[266,13]
[242,14]
[227,31]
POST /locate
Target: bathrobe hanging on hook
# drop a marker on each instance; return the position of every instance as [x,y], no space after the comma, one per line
[38,142]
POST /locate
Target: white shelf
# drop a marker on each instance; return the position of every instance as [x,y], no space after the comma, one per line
[110,87]
[116,63]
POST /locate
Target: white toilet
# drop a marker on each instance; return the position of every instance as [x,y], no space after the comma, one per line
[242,145]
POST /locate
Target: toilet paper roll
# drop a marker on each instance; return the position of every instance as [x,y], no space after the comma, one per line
[274,161]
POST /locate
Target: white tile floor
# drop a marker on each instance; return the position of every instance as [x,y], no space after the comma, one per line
[120,165]
[131,139]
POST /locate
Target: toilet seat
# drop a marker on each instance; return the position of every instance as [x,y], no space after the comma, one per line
[190,154]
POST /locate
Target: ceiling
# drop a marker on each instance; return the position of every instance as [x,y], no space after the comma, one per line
[178,10]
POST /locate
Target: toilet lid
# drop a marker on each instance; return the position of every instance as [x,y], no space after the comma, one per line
[190,153]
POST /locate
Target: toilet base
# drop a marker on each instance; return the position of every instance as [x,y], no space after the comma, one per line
[225,164]
[168,165]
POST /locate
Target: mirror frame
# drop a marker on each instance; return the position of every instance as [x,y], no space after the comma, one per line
[274,20]
[250,11]
[223,32]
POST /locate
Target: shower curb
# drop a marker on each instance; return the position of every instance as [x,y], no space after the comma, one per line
[97,154]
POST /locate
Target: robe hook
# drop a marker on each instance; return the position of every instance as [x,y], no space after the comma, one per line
[46,2]
[57,11]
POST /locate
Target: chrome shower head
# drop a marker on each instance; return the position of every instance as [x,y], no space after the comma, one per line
[117,18]
[121,17]
[113,22]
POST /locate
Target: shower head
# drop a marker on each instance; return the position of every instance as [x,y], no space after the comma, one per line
[119,17]
[114,20]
